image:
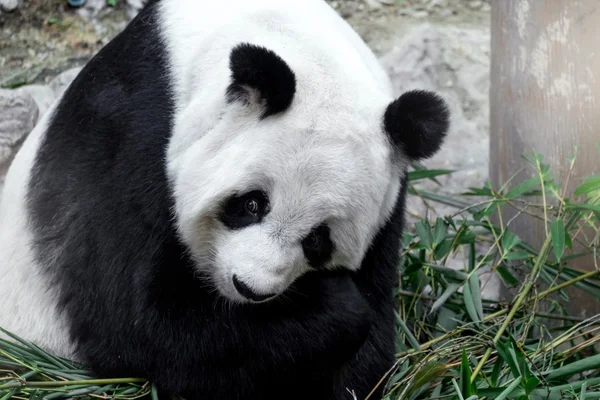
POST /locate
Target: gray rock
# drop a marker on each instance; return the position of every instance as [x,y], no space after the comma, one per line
[9,5]
[91,8]
[454,62]
[60,83]
[43,95]
[18,115]
[134,7]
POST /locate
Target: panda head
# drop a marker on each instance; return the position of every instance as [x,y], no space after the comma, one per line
[296,171]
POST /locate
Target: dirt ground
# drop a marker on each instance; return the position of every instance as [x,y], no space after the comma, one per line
[44,37]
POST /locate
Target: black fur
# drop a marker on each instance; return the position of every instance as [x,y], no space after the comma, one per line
[235,214]
[318,247]
[100,210]
[262,70]
[417,122]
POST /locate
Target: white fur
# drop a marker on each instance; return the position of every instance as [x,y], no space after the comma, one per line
[27,303]
[326,159]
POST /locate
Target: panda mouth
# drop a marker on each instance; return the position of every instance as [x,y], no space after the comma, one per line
[245,291]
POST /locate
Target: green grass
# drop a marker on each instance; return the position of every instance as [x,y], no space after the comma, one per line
[451,344]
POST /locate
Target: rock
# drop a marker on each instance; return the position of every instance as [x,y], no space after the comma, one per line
[60,83]
[475,4]
[43,95]
[373,4]
[18,115]
[91,8]
[454,62]
[9,5]
[134,7]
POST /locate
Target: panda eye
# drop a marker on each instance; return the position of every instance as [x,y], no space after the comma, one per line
[252,206]
[313,240]
[240,211]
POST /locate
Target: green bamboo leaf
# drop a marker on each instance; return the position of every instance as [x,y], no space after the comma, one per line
[440,231]
[442,249]
[583,207]
[154,392]
[427,174]
[587,364]
[484,192]
[507,278]
[509,390]
[409,336]
[555,392]
[517,255]
[509,240]
[496,371]
[457,388]
[467,387]
[475,289]
[588,186]
[450,290]
[450,273]
[470,303]
[531,383]
[424,231]
[524,187]
[425,376]
[503,352]
[557,229]
[583,392]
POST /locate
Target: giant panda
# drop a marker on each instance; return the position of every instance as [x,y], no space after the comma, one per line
[216,204]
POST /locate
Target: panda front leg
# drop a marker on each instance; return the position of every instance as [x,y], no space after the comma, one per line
[295,348]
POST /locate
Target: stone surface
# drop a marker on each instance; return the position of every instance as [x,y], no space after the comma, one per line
[134,6]
[60,83]
[18,115]
[8,5]
[43,95]
[454,62]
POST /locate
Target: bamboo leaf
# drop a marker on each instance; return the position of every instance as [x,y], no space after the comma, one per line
[496,371]
[409,336]
[557,229]
[450,290]
[470,303]
[426,375]
[509,390]
[509,240]
[424,231]
[475,291]
[506,277]
[517,255]
[566,371]
[590,185]
[440,231]
[449,272]
[427,174]
[524,187]
[467,388]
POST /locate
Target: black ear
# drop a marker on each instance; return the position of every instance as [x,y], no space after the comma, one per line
[417,122]
[262,70]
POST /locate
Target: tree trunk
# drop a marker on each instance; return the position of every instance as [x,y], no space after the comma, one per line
[545,58]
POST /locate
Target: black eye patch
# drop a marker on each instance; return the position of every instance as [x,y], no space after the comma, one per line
[318,247]
[240,211]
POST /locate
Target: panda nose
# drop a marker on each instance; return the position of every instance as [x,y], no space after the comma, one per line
[248,293]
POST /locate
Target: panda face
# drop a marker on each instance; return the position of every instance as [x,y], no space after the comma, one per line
[279,199]
[281,184]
